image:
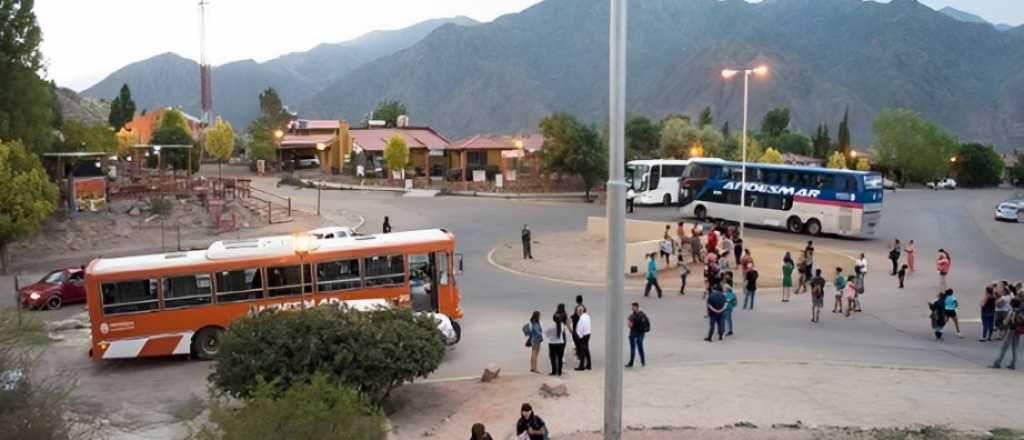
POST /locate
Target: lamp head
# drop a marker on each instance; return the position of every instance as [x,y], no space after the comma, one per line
[320,146]
[278,134]
[760,70]
[729,73]
[302,243]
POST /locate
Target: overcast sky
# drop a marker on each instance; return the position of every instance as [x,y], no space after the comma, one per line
[84,40]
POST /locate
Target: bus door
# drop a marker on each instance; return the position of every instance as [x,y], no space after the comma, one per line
[652,185]
[422,282]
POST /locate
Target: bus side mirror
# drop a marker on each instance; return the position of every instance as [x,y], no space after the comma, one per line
[458,264]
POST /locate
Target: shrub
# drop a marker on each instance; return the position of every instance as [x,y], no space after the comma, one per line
[290,180]
[160,206]
[315,410]
[373,352]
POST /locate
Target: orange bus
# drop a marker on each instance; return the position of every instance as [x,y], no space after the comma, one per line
[180,302]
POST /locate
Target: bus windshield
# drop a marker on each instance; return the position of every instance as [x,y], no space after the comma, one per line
[636,177]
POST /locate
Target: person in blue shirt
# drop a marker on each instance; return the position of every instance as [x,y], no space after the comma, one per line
[652,275]
[730,303]
[950,304]
[839,283]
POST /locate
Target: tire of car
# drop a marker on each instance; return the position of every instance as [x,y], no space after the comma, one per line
[794,225]
[813,227]
[54,303]
[458,331]
[701,213]
[206,343]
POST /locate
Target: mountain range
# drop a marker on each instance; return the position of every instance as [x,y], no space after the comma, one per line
[503,76]
[968,17]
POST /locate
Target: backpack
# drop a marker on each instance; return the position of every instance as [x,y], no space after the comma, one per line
[643,323]
[526,329]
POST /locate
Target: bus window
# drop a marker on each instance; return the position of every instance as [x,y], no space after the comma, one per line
[187,291]
[384,270]
[673,170]
[770,177]
[239,285]
[286,280]
[129,296]
[442,268]
[338,275]
[846,184]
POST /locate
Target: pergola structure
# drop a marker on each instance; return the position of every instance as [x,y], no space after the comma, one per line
[138,156]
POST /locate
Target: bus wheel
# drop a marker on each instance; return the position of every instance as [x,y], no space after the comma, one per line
[206,343]
[667,201]
[53,303]
[813,227]
[458,332]
[793,225]
[701,213]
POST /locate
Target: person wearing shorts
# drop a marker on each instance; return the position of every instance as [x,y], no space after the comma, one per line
[951,305]
[817,295]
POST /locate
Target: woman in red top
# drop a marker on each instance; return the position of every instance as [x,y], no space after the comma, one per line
[911,251]
[943,263]
[713,242]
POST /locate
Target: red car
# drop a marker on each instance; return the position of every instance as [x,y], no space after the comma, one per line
[54,290]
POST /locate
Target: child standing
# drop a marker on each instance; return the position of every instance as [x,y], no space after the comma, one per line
[839,283]
[903,274]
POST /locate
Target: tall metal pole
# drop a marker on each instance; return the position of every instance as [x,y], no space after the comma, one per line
[616,213]
[743,165]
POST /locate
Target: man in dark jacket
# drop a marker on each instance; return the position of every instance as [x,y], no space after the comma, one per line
[639,325]
[527,253]
[716,308]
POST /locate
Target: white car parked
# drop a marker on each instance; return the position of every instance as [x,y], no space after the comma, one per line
[330,232]
[1011,210]
[947,183]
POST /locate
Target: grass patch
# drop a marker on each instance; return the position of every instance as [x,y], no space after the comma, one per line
[30,330]
[189,409]
[1006,434]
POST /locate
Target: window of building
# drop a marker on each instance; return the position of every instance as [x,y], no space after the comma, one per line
[286,281]
[384,270]
[478,158]
[239,285]
[187,291]
[129,296]
[338,275]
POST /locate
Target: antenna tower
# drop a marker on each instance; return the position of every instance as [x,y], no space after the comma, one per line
[205,86]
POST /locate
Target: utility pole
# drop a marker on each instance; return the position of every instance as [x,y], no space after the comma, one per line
[616,212]
[205,86]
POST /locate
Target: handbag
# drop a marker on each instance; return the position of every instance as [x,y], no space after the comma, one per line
[529,343]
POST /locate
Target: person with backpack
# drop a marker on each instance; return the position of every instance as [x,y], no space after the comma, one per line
[817,295]
[716,306]
[639,325]
[938,314]
[749,288]
[534,338]
[1015,324]
[730,304]
[839,283]
[652,275]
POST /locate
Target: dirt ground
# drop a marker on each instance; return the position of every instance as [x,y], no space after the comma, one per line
[696,401]
[581,258]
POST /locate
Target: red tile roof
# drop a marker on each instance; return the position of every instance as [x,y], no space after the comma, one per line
[305,140]
[531,142]
[374,139]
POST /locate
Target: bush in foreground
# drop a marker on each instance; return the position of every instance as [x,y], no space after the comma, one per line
[373,352]
[315,410]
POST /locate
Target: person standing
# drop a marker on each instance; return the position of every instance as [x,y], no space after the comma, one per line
[737,243]
[530,424]
[1015,325]
[683,241]
[951,305]
[902,274]
[479,432]
[850,292]
[839,283]
[534,338]
[387,225]
[556,341]
[630,198]
[894,255]
[652,276]
[861,268]
[817,295]
[582,332]
[577,310]
[730,304]
[527,237]
[1003,309]
[715,309]
[943,263]
[696,248]
[746,262]
[911,251]
[801,273]
[749,288]
[787,276]
[713,241]
[988,314]
[727,248]
[639,325]
[684,271]
[938,314]
[809,267]
[665,248]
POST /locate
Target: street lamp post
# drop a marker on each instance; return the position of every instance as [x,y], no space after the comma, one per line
[727,74]
[616,212]
[319,147]
[278,136]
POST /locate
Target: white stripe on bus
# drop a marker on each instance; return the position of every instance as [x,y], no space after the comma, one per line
[125,348]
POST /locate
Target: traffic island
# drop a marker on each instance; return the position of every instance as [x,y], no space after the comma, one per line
[580,257]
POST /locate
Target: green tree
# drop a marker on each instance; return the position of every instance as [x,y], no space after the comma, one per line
[789,142]
[373,351]
[273,117]
[772,156]
[316,410]
[978,165]
[396,154]
[681,139]
[173,130]
[837,161]
[705,118]
[844,134]
[775,122]
[642,137]
[572,148]
[916,149]
[220,142]
[863,164]
[1016,172]
[126,139]
[27,197]
[733,150]
[389,111]
[27,103]
[122,108]
[725,130]
[821,142]
[82,137]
